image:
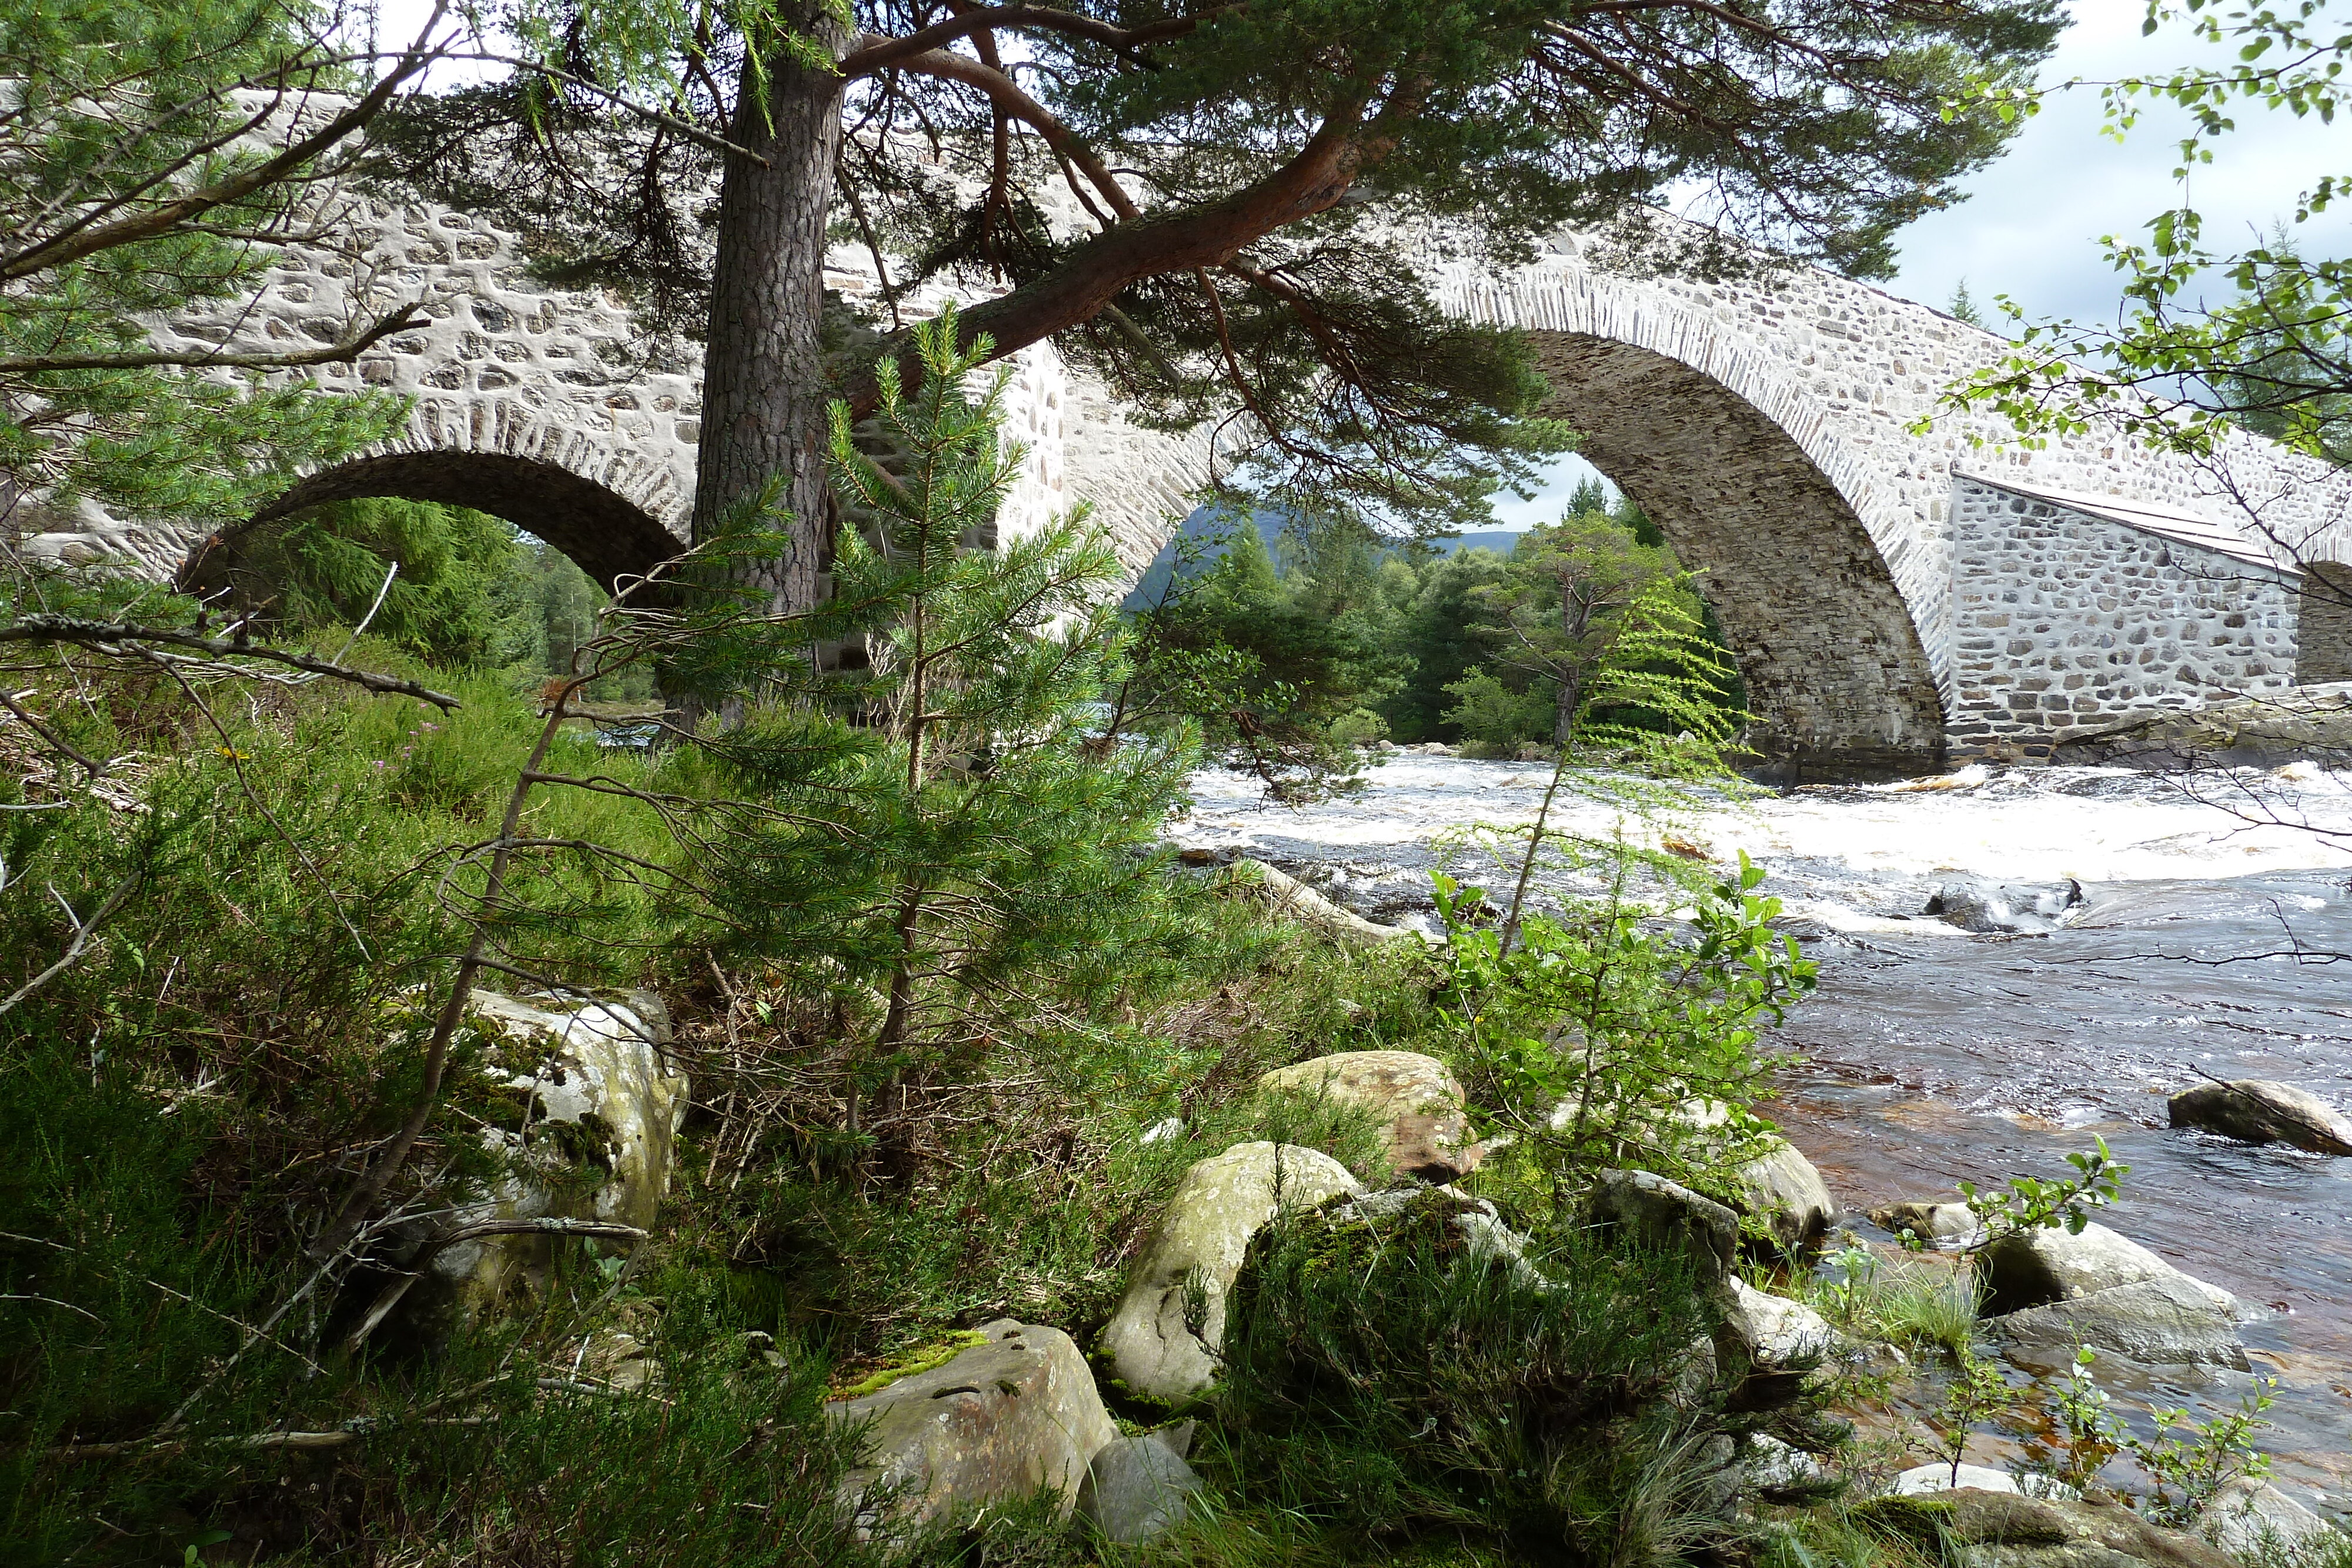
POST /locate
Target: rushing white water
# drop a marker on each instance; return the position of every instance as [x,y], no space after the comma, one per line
[1931,1055]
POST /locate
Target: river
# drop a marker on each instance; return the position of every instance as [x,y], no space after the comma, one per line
[2204,945]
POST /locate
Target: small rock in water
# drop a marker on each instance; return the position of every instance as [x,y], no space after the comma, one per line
[2005,908]
[2257,1110]
[1944,1226]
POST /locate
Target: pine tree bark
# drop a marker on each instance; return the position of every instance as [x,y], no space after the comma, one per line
[764,389]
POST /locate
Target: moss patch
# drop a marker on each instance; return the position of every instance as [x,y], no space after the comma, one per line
[922,1358]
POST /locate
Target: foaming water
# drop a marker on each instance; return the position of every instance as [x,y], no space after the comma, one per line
[2205,946]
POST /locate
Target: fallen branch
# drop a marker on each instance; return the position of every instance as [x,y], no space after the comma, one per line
[82,932]
[391,1295]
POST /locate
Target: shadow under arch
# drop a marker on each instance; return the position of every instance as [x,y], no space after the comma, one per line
[610,538]
[1838,677]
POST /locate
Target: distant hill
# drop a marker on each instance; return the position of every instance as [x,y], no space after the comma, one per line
[1207,521]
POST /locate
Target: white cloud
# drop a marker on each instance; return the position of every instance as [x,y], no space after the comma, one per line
[2031,226]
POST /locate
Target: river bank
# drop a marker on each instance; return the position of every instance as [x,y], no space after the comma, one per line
[2202,944]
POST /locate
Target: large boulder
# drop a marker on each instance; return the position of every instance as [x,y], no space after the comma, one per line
[2156,1323]
[1013,1413]
[2046,1264]
[2047,1289]
[1427,1131]
[1777,1189]
[2259,1111]
[1781,1189]
[1138,1487]
[1193,1256]
[586,1103]
[1994,908]
[1667,1217]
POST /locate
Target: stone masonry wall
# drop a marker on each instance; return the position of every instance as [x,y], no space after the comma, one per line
[1786,429]
[2062,620]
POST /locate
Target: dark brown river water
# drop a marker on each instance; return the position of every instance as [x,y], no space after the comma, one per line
[1930,1056]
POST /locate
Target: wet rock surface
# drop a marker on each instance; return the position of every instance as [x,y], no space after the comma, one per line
[1996,908]
[2258,1110]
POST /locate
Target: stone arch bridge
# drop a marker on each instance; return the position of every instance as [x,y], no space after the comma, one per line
[1894,601]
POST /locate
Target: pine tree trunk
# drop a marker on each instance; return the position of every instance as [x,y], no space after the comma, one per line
[763,385]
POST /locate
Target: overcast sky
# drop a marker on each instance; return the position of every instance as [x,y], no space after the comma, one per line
[2032,224]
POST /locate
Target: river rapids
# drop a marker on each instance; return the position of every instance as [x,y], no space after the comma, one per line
[2215,937]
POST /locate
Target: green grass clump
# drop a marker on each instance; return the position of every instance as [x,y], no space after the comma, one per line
[1399,1387]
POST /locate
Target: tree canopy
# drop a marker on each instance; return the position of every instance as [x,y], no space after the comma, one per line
[1254,183]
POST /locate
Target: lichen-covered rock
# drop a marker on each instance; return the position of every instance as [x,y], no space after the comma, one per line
[2256,1110]
[589,1106]
[1427,1130]
[1777,1330]
[1014,1413]
[1668,1216]
[2250,1519]
[1193,1256]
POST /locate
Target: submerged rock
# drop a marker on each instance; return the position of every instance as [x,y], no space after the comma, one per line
[2258,1110]
[2005,908]
[1193,1255]
[1428,1132]
[1017,1412]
